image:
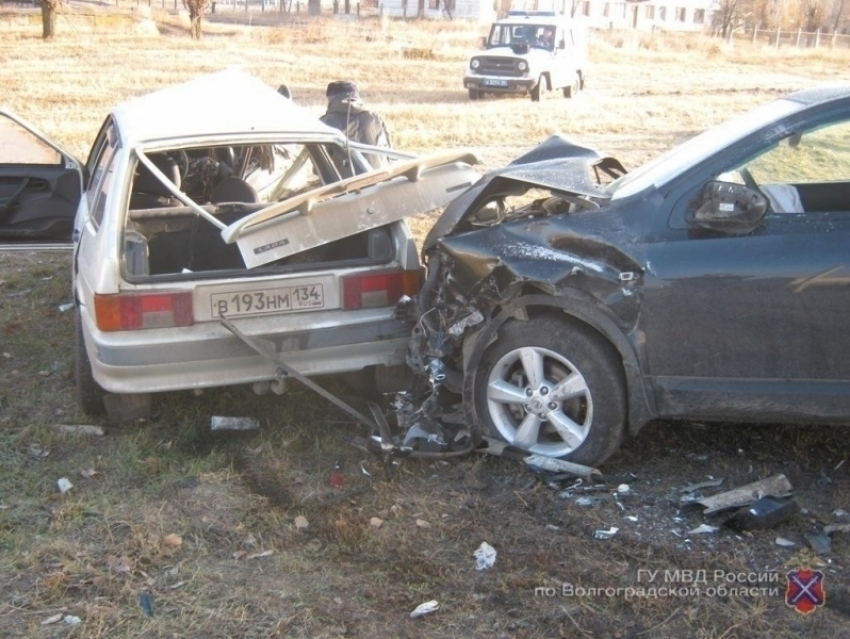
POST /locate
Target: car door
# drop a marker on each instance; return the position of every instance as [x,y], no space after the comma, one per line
[40,187]
[756,320]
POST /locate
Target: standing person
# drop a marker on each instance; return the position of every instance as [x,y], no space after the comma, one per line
[347,113]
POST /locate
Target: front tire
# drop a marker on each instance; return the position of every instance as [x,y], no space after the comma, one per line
[475,94]
[572,90]
[539,89]
[552,387]
[89,393]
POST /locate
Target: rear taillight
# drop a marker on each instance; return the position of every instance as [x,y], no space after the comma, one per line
[376,289]
[130,311]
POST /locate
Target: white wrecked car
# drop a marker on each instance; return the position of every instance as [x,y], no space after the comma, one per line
[220,198]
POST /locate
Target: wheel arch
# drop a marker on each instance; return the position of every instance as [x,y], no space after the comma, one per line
[640,405]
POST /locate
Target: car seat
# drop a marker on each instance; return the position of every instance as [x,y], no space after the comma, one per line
[234,189]
[148,191]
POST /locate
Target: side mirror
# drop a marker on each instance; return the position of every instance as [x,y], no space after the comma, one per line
[729,208]
[483,42]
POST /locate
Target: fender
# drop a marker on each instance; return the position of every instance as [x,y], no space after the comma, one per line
[641,403]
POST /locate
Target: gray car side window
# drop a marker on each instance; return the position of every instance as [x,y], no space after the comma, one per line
[102,173]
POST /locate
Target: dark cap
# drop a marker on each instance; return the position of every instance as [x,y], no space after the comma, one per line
[342,87]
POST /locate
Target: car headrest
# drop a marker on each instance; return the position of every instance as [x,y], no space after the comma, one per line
[234,189]
[146,182]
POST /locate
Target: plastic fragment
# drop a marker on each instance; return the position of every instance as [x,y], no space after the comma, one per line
[485,556]
[703,529]
[425,609]
[606,534]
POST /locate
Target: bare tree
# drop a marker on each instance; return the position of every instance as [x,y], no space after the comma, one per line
[725,15]
[48,18]
[196,8]
[837,14]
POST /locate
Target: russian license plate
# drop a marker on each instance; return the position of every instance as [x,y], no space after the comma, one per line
[282,299]
[496,83]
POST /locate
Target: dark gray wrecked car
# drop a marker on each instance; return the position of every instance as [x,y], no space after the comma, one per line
[568,303]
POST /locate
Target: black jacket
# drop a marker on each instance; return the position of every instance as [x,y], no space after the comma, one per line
[360,125]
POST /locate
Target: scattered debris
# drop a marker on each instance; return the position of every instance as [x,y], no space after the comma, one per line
[38,453]
[632,518]
[819,542]
[422,523]
[81,429]
[218,423]
[363,469]
[703,529]
[606,534]
[624,489]
[785,543]
[425,609]
[840,513]
[119,564]
[258,555]
[88,473]
[172,541]
[336,479]
[541,463]
[586,502]
[776,486]
[53,619]
[832,528]
[301,522]
[72,620]
[763,513]
[145,603]
[376,522]
[485,556]
[67,306]
[711,483]
[64,484]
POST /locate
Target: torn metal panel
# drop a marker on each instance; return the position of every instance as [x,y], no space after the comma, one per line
[765,512]
[556,164]
[345,208]
[776,486]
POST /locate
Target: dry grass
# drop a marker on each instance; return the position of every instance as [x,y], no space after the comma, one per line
[188,520]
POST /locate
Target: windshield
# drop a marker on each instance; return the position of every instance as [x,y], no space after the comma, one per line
[541,36]
[681,158]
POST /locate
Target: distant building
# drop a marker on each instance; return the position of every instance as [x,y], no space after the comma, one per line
[480,10]
[667,15]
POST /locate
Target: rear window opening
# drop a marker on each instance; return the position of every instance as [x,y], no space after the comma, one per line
[166,239]
[189,247]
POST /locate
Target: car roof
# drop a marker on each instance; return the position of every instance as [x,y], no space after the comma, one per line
[222,103]
[822,94]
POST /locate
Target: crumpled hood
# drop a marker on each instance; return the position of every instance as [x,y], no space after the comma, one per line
[557,163]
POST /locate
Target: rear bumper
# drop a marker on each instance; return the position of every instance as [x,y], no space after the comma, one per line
[209,356]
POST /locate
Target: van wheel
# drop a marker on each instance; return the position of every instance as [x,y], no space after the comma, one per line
[89,393]
[539,89]
[552,387]
[572,90]
[475,94]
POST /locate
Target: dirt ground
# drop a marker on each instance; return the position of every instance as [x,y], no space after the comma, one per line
[171,531]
